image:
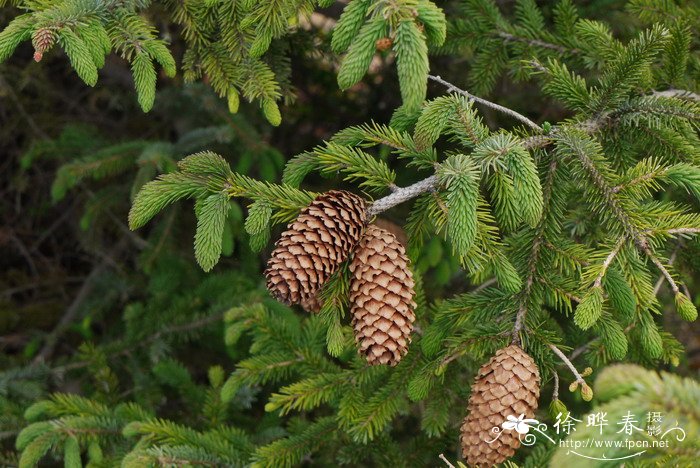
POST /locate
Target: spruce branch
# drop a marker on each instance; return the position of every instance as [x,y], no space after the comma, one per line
[402,194]
[607,191]
[569,364]
[484,102]
[447,462]
[578,351]
[611,199]
[549,284]
[537,43]
[534,254]
[678,93]
[660,281]
[608,260]
[664,271]
[682,231]
[637,180]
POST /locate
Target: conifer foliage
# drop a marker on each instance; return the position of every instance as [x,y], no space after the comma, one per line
[566,237]
[229,44]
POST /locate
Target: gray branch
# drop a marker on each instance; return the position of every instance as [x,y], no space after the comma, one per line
[679,94]
[402,194]
[538,43]
[504,110]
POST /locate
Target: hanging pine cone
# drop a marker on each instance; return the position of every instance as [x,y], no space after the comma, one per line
[393,228]
[381,294]
[42,39]
[314,245]
[312,304]
[507,385]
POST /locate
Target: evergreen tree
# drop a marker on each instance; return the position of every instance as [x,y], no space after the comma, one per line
[555,240]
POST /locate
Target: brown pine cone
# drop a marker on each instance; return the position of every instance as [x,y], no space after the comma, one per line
[381,294]
[312,304]
[393,228]
[314,245]
[507,385]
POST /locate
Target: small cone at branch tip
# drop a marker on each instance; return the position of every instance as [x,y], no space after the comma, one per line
[586,392]
[314,245]
[381,297]
[384,43]
[42,40]
[507,385]
[557,408]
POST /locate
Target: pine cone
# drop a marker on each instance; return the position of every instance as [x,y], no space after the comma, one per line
[42,39]
[313,304]
[393,228]
[507,385]
[314,245]
[381,294]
